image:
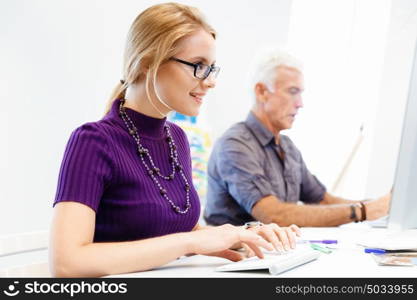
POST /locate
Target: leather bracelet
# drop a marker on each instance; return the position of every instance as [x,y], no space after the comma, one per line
[353,215]
[363,211]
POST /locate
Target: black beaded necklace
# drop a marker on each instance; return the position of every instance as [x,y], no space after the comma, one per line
[152,170]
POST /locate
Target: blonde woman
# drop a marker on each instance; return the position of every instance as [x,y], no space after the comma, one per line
[125,200]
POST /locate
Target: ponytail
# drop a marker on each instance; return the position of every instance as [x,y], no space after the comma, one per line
[119,92]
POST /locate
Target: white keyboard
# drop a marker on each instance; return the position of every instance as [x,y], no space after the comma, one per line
[276,263]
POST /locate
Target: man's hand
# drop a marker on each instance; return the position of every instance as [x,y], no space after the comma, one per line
[378,208]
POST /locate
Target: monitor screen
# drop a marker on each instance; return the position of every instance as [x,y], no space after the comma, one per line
[403,210]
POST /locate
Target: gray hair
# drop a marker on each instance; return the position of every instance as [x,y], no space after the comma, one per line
[266,63]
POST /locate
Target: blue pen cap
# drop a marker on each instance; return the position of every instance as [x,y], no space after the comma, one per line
[376,251]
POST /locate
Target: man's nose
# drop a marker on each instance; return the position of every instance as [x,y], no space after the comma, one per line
[299,103]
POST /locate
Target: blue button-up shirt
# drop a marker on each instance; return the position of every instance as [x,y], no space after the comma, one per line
[245,167]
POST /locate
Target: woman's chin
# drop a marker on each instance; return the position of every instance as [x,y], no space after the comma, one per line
[190,112]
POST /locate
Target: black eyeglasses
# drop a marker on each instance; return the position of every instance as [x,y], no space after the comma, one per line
[201,71]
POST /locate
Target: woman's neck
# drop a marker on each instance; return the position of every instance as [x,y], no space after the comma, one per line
[137,99]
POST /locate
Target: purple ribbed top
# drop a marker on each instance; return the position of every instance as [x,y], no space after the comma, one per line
[101,168]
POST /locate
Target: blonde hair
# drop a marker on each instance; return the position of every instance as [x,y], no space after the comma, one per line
[152,40]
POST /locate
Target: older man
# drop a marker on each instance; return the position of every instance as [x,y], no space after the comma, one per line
[256,173]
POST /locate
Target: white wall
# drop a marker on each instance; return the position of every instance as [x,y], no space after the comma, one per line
[249,26]
[59,62]
[343,52]
[401,43]
[55,76]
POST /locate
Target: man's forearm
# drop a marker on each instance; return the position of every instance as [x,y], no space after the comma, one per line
[314,215]
[270,209]
[330,199]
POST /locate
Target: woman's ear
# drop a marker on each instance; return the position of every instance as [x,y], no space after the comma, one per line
[144,64]
[141,71]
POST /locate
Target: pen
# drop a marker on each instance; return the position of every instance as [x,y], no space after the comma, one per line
[321,248]
[318,241]
[375,250]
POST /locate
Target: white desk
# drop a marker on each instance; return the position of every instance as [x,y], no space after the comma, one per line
[25,264]
[349,260]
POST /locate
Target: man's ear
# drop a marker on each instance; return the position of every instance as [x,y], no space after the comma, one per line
[261,92]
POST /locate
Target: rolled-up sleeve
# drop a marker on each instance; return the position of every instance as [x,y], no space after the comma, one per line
[312,190]
[243,173]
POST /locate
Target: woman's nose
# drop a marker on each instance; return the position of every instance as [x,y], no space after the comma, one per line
[210,81]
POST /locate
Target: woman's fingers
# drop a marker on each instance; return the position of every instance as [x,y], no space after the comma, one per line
[254,241]
[248,251]
[283,236]
[269,234]
[287,235]
[228,254]
[291,237]
[255,248]
[295,229]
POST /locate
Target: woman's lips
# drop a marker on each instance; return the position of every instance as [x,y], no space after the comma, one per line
[197,97]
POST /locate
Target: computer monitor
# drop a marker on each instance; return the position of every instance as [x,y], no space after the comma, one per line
[403,210]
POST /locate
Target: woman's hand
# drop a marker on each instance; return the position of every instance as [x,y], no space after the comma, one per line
[282,238]
[217,241]
[230,254]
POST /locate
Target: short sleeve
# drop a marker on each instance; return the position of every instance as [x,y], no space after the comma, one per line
[242,173]
[86,167]
[312,190]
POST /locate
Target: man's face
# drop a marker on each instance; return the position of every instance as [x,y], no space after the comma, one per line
[283,102]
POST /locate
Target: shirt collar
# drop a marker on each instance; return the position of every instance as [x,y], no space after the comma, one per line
[263,135]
